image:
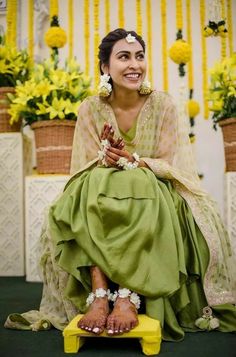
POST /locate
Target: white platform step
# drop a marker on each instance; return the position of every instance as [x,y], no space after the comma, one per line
[40,191]
[230,206]
[11,205]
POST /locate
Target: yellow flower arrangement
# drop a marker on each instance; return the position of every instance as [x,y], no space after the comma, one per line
[222,89]
[50,93]
[55,37]
[180,52]
[14,65]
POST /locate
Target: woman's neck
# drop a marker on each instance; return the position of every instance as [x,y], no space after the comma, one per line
[124,99]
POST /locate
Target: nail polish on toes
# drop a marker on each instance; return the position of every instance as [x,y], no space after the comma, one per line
[116,331]
[110,332]
[89,329]
[96,329]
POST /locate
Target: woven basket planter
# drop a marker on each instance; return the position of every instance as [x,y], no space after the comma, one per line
[228,127]
[53,140]
[4,116]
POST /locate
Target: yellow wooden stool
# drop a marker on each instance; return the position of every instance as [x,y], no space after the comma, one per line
[148,331]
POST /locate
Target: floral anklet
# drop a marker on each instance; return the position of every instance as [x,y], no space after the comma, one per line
[124,293]
[99,293]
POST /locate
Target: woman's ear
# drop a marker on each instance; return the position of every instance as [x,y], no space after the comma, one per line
[105,68]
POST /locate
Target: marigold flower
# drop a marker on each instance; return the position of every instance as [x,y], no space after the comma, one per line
[193,108]
[180,52]
[55,37]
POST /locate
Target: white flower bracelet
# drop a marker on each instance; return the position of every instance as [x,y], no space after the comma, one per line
[127,165]
[102,153]
[124,293]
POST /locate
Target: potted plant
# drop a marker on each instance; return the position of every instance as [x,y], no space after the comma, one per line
[14,68]
[49,103]
[222,97]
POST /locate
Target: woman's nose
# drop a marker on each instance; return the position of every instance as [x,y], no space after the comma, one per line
[133,63]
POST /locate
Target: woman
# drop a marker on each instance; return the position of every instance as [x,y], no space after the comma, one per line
[133,218]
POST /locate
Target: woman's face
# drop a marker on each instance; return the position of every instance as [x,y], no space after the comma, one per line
[127,65]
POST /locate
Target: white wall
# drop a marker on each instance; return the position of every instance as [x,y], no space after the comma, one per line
[209,144]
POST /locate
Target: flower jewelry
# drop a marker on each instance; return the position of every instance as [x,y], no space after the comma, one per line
[145,87]
[104,88]
[130,39]
[127,165]
[99,293]
[102,153]
[124,293]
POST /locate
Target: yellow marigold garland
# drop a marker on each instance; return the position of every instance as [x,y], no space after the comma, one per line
[149,40]
[180,50]
[230,26]
[121,13]
[11,23]
[55,37]
[71,27]
[107,15]
[179,15]
[193,108]
[138,17]
[192,105]
[216,25]
[31,28]
[223,34]
[189,39]
[96,4]
[204,59]
[53,8]
[15,22]
[164,45]
[86,36]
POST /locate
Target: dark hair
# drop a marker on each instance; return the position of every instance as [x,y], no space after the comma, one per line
[108,42]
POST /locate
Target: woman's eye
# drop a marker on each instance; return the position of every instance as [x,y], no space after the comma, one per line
[140,57]
[123,57]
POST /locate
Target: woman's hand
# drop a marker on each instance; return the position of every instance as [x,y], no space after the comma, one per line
[108,133]
[113,155]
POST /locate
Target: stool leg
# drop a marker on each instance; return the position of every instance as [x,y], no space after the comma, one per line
[72,344]
[150,345]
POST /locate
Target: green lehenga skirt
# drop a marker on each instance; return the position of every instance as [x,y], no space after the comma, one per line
[143,236]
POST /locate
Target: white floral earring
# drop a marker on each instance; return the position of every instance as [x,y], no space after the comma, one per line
[104,87]
[145,87]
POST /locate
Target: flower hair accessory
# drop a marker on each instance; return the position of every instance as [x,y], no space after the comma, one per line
[124,293]
[130,39]
[99,293]
[127,165]
[102,153]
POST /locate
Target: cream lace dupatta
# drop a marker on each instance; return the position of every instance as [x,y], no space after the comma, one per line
[162,142]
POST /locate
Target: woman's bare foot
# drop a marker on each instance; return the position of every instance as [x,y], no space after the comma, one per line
[123,317]
[96,317]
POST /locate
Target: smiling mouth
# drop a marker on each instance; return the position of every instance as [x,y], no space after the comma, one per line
[133,76]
